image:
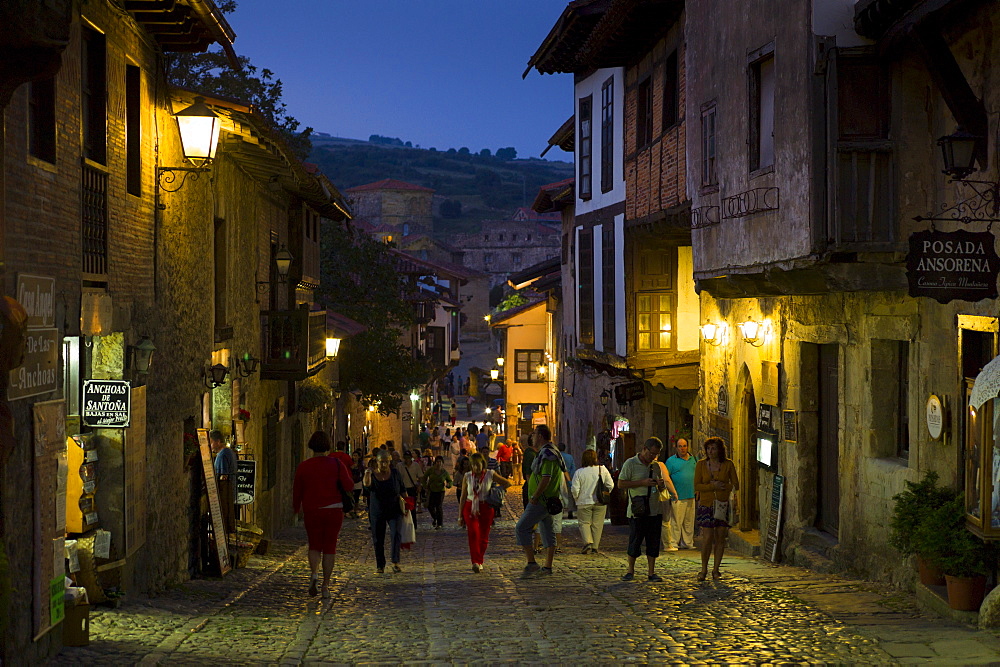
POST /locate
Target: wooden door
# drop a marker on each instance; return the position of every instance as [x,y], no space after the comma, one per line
[749,511]
[828,442]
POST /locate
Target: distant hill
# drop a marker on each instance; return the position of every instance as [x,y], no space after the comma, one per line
[486,186]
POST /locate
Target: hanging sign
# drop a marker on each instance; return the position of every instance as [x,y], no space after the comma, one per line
[946,266]
[246,477]
[632,391]
[107,403]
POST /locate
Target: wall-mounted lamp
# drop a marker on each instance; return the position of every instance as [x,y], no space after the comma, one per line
[283,261]
[247,366]
[142,355]
[500,361]
[752,332]
[215,376]
[542,370]
[199,129]
[713,334]
[494,374]
[959,153]
[605,397]
[332,346]
[414,396]
[487,317]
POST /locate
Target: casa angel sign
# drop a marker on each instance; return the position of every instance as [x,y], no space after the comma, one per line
[946,266]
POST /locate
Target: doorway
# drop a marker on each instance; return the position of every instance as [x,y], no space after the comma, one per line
[745,455]
[828,440]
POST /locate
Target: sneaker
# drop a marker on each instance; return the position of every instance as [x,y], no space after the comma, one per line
[654,577]
[396,567]
[530,569]
[313,586]
[628,576]
[545,570]
[587,549]
[671,548]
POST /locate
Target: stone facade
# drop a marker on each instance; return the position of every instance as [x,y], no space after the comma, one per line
[504,247]
[403,206]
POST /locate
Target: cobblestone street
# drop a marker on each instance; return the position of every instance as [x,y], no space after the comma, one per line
[438,610]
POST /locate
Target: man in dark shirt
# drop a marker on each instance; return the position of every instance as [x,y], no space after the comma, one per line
[225,477]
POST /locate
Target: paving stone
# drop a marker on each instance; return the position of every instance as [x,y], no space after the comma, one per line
[437,611]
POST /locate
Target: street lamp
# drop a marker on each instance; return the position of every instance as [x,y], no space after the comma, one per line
[500,361]
[959,153]
[199,129]
[215,376]
[247,366]
[605,397]
[414,396]
[494,374]
[283,261]
[541,370]
[752,332]
[332,346]
[142,355]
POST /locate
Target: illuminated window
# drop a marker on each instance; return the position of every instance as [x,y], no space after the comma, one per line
[526,363]
[653,328]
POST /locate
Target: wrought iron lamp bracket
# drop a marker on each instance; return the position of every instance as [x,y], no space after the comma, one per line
[166,177]
[982,206]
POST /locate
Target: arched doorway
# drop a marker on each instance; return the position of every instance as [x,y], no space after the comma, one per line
[745,451]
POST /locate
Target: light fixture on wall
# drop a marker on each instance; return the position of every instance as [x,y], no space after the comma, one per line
[712,333]
[542,370]
[752,332]
[500,361]
[142,355]
[960,151]
[605,397]
[215,376]
[199,129]
[332,346]
[283,262]
[494,374]
[247,366]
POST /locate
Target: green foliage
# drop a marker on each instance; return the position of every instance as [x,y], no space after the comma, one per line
[944,540]
[508,153]
[385,141]
[912,507]
[513,300]
[360,281]
[212,74]
[485,152]
[313,394]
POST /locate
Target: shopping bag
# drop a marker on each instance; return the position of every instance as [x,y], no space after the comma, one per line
[407,532]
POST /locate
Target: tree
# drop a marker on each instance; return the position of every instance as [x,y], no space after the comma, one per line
[485,153]
[463,150]
[360,279]
[509,153]
[211,73]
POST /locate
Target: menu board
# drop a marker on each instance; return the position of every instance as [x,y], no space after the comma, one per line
[246,478]
[771,540]
[215,508]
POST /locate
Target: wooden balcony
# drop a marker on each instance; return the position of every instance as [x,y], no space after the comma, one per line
[293,343]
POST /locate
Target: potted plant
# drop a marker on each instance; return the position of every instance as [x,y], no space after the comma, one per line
[911,509]
[313,394]
[963,557]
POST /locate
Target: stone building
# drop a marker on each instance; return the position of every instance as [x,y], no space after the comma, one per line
[819,357]
[394,205]
[116,246]
[503,247]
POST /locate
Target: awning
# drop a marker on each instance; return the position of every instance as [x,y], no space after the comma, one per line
[987,385]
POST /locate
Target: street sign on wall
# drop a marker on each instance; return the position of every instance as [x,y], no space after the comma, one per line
[39,374]
[107,403]
[946,266]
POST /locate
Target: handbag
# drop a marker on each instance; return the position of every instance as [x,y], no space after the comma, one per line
[554,505]
[346,498]
[640,504]
[720,510]
[602,494]
[496,497]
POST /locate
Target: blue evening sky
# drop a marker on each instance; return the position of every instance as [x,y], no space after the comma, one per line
[441,73]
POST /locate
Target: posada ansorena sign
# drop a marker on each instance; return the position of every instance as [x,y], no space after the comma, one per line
[946,266]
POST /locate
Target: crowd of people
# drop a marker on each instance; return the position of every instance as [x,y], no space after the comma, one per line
[665,499]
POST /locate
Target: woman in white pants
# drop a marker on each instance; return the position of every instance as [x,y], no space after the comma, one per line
[590,506]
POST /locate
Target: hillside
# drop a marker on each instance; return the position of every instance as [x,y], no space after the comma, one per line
[485,186]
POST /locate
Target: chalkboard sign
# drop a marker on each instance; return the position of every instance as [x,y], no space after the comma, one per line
[246,478]
[789,426]
[774,519]
[107,403]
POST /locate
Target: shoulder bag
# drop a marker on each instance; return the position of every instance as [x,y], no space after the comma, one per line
[720,508]
[346,497]
[602,494]
[640,504]
[496,496]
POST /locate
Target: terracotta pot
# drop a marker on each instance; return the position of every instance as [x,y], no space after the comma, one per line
[930,574]
[966,593]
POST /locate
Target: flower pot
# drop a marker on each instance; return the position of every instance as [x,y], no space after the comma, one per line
[930,574]
[966,593]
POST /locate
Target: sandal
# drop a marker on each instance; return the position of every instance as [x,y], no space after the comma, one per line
[702,575]
[716,575]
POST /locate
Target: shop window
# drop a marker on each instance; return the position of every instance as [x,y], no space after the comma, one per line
[981,449]
[761,124]
[526,363]
[42,119]
[671,91]
[890,399]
